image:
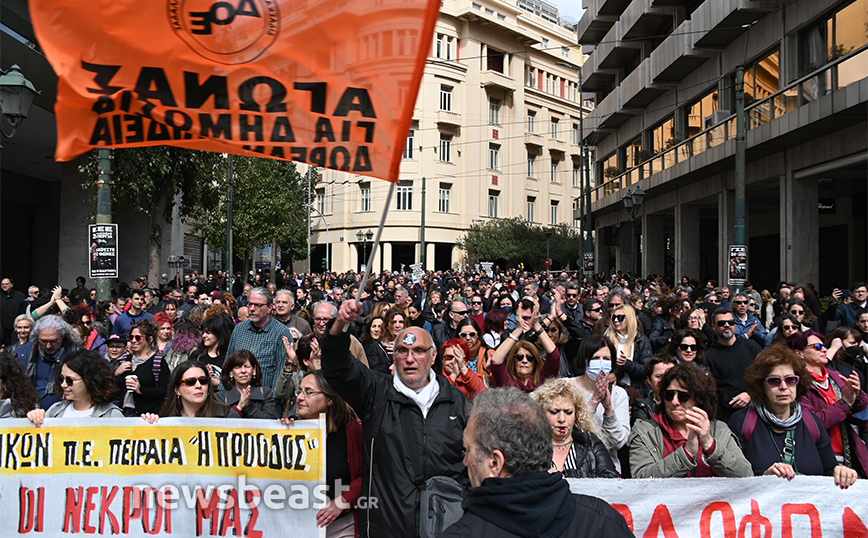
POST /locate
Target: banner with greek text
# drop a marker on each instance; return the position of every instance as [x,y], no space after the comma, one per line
[761,507]
[181,477]
[328,83]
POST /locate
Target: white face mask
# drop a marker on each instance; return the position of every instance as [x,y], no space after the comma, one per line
[598,366]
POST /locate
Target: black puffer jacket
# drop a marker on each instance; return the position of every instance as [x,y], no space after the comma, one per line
[388,473]
[592,458]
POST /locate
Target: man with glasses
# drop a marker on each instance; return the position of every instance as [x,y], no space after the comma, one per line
[476,310]
[325,311]
[135,314]
[377,296]
[442,332]
[412,424]
[728,358]
[263,336]
[746,324]
[50,341]
[847,311]
[572,306]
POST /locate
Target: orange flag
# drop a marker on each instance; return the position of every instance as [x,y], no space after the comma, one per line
[330,83]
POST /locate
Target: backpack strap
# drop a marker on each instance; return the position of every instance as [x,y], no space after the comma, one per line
[811,423]
[749,424]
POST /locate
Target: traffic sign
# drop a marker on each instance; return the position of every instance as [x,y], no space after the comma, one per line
[548,261]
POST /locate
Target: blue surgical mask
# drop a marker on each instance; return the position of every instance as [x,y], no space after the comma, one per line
[598,366]
[506,309]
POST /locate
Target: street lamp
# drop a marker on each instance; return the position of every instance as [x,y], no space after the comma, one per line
[364,238]
[16,96]
[633,201]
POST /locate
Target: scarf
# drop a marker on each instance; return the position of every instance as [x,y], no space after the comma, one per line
[772,420]
[423,397]
[129,396]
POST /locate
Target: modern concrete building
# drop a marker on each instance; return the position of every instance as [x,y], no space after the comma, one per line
[664,75]
[495,134]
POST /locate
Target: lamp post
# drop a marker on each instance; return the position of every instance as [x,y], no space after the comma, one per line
[16,97]
[328,241]
[363,238]
[633,201]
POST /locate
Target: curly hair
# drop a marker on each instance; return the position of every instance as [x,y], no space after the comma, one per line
[173,405]
[74,314]
[460,344]
[366,336]
[387,324]
[696,381]
[511,367]
[17,388]
[160,318]
[55,322]
[215,310]
[236,359]
[187,337]
[557,388]
[680,335]
[768,360]
[98,377]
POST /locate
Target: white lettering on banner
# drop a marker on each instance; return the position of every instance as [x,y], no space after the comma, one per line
[763,506]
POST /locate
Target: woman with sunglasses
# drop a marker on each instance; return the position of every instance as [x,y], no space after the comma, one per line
[242,379]
[778,381]
[807,320]
[687,347]
[516,362]
[478,353]
[683,439]
[633,347]
[191,395]
[81,317]
[455,353]
[834,399]
[87,386]
[144,375]
[787,326]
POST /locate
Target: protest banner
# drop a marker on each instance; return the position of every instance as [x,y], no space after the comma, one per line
[761,507]
[181,477]
[332,84]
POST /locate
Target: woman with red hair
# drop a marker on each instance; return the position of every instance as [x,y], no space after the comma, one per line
[455,355]
[165,331]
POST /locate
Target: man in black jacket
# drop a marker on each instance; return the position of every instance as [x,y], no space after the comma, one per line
[728,358]
[415,406]
[508,447]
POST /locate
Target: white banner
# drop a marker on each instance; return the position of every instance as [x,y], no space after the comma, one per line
[757,507]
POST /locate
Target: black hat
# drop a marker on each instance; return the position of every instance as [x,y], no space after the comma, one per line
[116,339]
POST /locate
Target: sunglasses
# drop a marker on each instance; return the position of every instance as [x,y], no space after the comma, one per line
[788,327]
[683,395]
[818,347]
[468,335]
[725,322]
[613,305]
[521,357]
[739,302]
[775,380]
[464,313]
[797,312]
[572,295]
[619,318]
[688,347]
[598,309]
[476,302]
[191,381]
[69,380]
[136,337]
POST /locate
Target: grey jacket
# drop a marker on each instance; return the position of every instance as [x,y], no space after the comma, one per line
[647,461]
[106,410]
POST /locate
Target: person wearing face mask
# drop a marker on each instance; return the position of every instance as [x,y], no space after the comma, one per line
[848,353]
[609,403]
[683,439]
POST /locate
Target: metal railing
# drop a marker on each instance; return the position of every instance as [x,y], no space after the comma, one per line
[838,73]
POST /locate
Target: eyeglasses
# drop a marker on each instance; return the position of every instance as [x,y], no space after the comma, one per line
[572,295]
[775,380]
[818,346]
[468,335]
[521,357]
[191,381]
[88,322]
[752,305]
[788,327]
[695,318]
[683,395]
[688,347]
[48,342]
[322,320]
[739,302]
[613,305]
[476,302]
[404,352]
[257,305]
[725,322]
[65,378]
[135,337]
[308,393]
[619,318]
[598,309]
[797,312]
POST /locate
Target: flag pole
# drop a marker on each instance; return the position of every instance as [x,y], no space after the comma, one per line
[376,244]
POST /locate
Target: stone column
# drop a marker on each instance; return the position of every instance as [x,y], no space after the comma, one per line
[686,241]
[800,231]
[653,244]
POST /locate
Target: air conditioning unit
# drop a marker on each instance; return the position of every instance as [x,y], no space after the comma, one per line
[717,117]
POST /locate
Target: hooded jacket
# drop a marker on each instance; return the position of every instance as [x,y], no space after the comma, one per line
[537,505]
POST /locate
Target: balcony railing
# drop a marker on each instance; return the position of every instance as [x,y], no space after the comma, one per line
[837,74]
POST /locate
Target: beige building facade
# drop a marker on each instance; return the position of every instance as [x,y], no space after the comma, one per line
[495,134]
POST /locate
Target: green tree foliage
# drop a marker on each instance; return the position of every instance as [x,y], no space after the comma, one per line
[514,241]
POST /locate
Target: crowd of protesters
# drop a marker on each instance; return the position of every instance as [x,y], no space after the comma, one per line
[636,377]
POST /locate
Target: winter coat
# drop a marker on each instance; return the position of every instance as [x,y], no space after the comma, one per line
[261,403]
[592,458]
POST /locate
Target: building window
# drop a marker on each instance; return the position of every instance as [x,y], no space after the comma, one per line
[531,121]
[555,128]
[576,177]
[531,208]
[565,52]
[496,60]
[554,171]
[577,222]
[446,98]
[576,140]
[664,136]
[701,114]
[445,196]
[545,43]
[531,161]
[408,149]
[493,197]
[405,196]
[365,189]
[763,78]
[446,148]
[443,46]
[555,220]
[493,156]
[477,7]
[494,111]
[320,201]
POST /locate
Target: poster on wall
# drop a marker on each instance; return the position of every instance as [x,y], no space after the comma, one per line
[737,265]
[103,251]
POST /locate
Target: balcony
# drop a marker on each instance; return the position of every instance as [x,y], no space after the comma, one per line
[594,25]
[493,79]
[612,52]
[595,78]
[611,110]
[676,58]
[717,23]
[642,19]
[448,118]
[534,140]
[638,90]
